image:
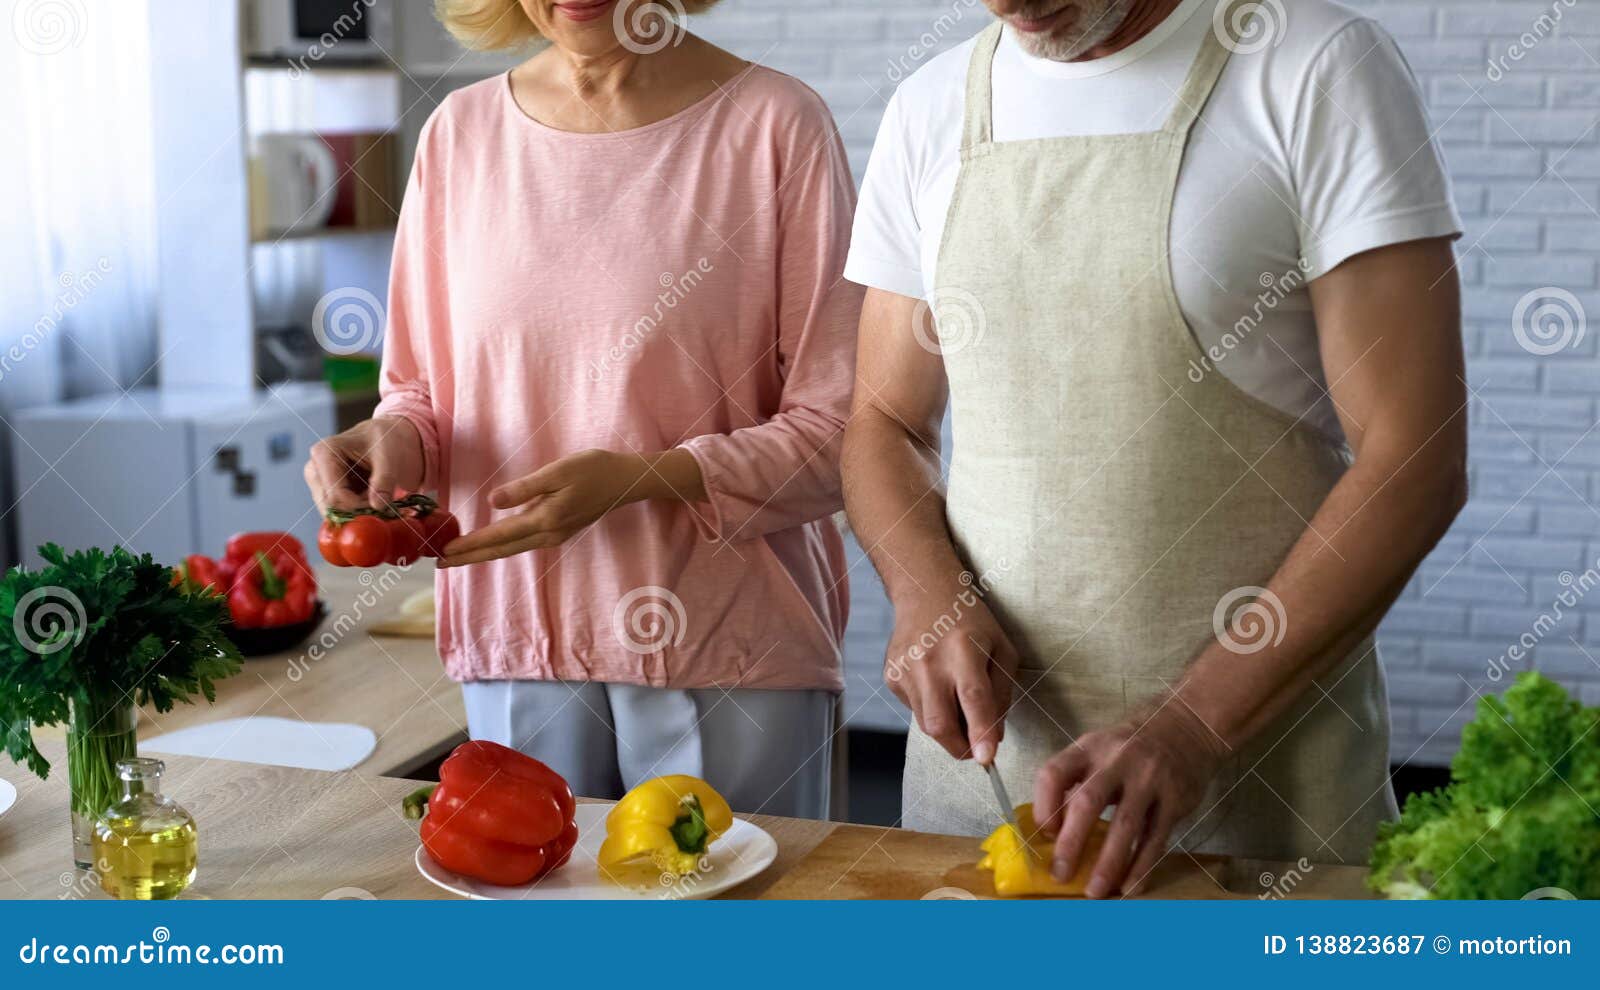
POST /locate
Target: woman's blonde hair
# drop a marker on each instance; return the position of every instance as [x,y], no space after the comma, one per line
[487,25]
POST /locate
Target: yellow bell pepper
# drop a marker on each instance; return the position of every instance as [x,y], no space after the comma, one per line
[1021,866]
[662,829]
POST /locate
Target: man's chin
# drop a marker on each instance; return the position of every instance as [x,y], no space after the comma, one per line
[1072,38]
[1063,47]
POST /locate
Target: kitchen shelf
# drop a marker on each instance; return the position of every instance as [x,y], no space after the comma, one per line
[338,100]
[477,69]
[320,67]
[319,233]
[354,406]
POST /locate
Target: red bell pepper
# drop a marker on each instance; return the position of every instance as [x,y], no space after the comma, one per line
[243,547]
[271,591]
[499,816]
[200,573]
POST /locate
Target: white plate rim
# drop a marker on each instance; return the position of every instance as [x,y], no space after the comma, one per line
[8,795]
[764,855]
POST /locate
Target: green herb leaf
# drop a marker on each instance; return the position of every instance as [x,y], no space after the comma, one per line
[101,628]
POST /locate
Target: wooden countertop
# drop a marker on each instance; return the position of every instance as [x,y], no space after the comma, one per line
[279,833]
[395,687]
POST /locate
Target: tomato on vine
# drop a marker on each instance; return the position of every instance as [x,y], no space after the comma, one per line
[401,533]
[328,543]
[364,541]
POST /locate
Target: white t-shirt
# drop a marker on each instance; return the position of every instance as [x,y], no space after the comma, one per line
[1312,149]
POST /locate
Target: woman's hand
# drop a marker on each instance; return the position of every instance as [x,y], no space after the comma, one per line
[365,464]
[562,498]
[1154,768]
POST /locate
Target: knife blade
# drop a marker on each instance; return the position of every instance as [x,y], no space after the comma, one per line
[1007,811]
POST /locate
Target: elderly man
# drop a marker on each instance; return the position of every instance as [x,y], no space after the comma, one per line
[1183,271]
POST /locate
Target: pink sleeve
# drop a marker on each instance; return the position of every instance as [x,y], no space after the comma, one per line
[417,313]
[785,471]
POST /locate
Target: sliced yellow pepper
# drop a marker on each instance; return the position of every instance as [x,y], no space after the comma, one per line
[662,829]
[1022,866]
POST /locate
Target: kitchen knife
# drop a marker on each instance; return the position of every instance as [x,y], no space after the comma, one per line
[1007,810]
[1003,799]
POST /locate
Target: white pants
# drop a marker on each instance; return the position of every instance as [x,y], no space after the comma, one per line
[767,752]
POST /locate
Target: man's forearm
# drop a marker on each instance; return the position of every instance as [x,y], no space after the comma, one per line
[894,499]
[1362,546]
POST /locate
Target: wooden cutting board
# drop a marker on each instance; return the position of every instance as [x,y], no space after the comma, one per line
[858,861]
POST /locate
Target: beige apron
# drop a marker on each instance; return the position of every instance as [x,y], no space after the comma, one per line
[1109,502]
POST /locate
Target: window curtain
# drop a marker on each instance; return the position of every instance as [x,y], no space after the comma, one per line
[77,251]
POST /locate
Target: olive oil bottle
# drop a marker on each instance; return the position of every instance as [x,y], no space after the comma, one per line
[145,845]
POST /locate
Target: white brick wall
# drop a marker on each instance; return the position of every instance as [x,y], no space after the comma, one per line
[1525,153]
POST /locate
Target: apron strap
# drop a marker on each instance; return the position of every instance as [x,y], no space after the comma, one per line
[978,129]
[1208,66]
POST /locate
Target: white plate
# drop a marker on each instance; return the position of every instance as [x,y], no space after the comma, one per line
[741,853]
[8,796]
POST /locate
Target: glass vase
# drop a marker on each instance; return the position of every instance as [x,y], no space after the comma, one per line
[99,734]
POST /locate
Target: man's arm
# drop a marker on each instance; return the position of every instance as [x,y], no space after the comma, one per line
[960,686]
[1389,326]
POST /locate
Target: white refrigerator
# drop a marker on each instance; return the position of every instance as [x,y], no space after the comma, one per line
[167,471]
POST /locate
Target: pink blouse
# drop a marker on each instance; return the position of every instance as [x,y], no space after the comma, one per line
[676,285]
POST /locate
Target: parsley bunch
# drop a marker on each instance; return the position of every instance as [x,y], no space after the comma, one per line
[100,630]
[1521,812]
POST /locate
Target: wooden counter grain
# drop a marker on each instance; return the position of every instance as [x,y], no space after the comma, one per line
[279,833]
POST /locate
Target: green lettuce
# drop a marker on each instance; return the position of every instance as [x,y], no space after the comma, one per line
[1521,812]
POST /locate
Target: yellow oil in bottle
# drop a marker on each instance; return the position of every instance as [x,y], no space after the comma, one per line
[145,845]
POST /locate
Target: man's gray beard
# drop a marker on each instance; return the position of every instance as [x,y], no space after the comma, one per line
[1102,23]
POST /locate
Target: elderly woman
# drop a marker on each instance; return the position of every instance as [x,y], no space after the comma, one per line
[620,347]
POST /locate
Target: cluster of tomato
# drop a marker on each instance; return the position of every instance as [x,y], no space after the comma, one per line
[265,576]
[401,533]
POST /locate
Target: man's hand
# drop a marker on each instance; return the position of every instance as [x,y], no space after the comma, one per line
[1155,769]
[365,464]
[565,496]
[948,660]
[953,666]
